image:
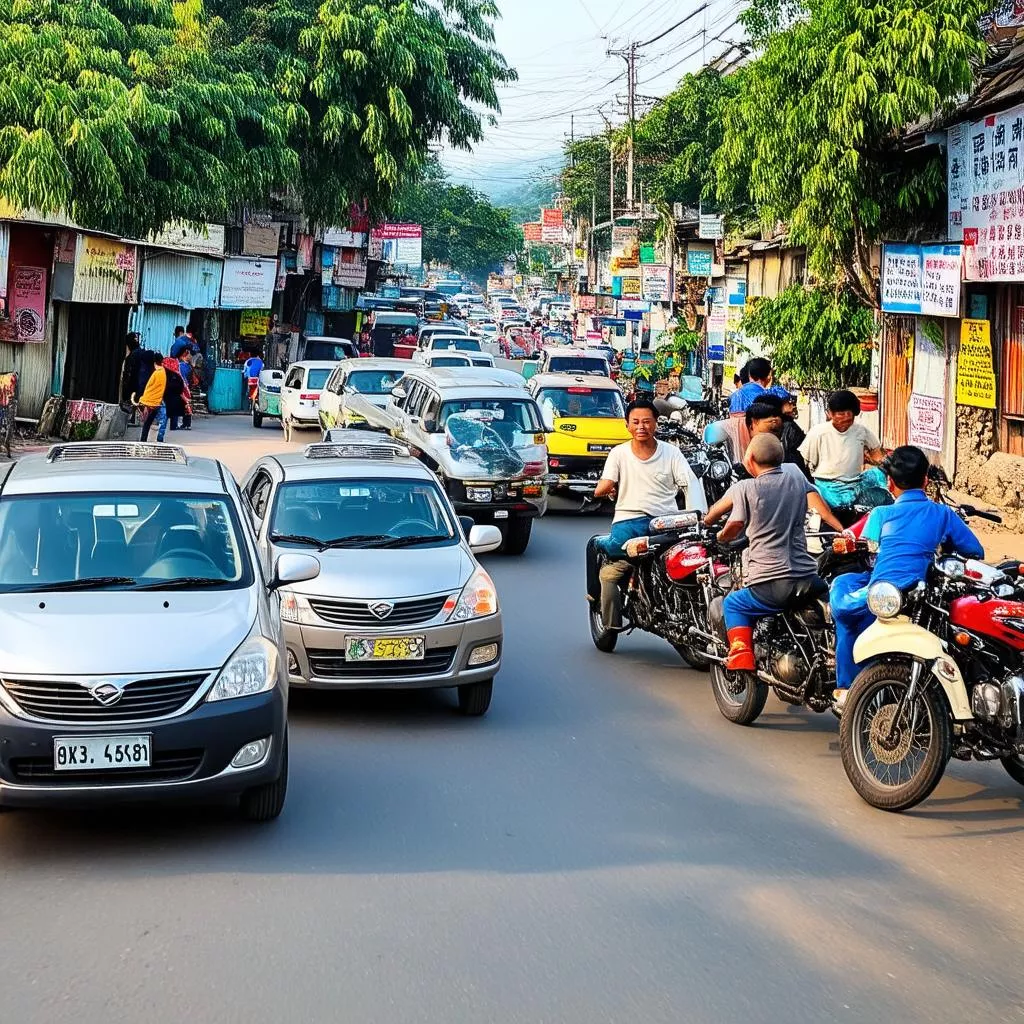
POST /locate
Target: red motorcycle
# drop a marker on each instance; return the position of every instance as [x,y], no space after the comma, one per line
[944,678]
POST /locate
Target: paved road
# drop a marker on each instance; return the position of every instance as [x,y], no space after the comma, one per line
[602,847]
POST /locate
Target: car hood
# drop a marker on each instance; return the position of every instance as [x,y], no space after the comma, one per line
[373,574]
[603,429]
[122,633]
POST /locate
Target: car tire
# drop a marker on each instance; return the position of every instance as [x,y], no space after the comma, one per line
[517,536]
[265,803]
[257,418]
[475,698]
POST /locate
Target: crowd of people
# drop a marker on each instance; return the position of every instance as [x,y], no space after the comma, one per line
[159,388]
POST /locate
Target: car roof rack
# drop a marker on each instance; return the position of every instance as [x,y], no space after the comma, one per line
[148,451]
[382,449]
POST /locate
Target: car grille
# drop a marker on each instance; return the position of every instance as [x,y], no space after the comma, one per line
[357,613]
[332,665]
[68,701]
[168,766]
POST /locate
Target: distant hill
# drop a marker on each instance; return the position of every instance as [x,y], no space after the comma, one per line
[521,186]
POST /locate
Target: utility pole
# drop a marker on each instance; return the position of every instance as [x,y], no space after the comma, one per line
[629,56]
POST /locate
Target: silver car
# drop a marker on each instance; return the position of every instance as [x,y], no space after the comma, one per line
[142,655]
[401,600]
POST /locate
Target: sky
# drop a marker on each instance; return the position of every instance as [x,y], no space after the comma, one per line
[565,74]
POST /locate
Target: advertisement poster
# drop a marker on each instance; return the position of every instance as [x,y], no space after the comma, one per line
[248,284]
[711,226]
[533,232]
[929,359]
[586,302]
[922,279]
[552,226]
[975,377]
[255,323]
[655,282]
[207,241]
[926,421]
[625,249]
[699,261]
[28,303]
[630,287]
[104,271]
[349,268]
[398,244]
[901,278]
[344,238]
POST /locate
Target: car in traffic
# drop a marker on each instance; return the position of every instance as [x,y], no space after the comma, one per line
[482,433]
[450,342]
[442,358]
[142,657]
[300,394]
[585,418]
[374,378]
[400,601]
[326,348]
[558,359]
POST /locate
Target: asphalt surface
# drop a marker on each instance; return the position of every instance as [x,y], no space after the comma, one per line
[602,847]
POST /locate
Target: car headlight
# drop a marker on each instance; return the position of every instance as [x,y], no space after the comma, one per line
[478,598]
[295,608]
[251,669]
[884,600]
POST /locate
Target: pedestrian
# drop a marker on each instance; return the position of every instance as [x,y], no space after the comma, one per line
[179,343]
[174,394]
[188,375]
[152,400]
[760,371]
[130,370]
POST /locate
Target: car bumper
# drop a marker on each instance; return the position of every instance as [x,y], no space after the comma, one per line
[191,756]
[319,653]
[306,417]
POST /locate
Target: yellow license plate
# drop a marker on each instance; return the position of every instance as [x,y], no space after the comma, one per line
[389,648]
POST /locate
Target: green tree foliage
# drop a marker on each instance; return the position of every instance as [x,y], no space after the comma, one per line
[460,226]
[130,113]
[585,175]
[819,339]
[812,131]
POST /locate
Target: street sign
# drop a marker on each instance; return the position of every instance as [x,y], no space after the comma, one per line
[711,226]
[632,314]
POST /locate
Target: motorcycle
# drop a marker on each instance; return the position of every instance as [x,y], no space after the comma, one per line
[672,581]
[794,650]
[943,677]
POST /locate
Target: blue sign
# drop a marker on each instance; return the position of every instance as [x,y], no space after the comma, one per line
[738,297]
[698,262]
[391,293]
[633,314]
[716,353]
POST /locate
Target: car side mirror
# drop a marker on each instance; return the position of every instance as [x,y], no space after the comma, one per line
[398,392]
[483,539]
[293,568]
[467,524]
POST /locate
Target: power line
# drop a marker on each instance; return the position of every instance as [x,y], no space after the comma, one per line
[693,14]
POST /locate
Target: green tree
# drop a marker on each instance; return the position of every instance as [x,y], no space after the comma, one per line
[813,130]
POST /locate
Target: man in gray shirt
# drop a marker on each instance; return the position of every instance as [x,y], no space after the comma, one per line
[772,508]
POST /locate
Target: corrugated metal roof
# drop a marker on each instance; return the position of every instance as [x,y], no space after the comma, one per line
[174,279]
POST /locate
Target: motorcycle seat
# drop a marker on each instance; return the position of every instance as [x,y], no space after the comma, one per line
[732,547]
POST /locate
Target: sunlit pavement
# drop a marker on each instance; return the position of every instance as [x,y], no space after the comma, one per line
[602,847]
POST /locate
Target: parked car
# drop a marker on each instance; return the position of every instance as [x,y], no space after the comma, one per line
[373,378]
[300,394]
[329,349]
[482,433]
[401,600]
[142,655]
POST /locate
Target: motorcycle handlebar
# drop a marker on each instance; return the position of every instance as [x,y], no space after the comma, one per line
[977,513]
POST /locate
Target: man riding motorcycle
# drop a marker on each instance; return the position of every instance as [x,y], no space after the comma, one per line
[645,477]
[772,508]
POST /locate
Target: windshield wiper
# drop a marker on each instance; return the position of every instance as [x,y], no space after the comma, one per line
[354,541]
[87,583]
[404,542]
[295,538]
[183,582]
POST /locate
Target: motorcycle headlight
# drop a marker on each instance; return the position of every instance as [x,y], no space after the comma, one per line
[720,470]
[478,598]
[884,600]
[295,608]
[251,669]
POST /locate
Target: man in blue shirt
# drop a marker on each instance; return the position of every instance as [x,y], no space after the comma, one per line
[760,383]
[907,534]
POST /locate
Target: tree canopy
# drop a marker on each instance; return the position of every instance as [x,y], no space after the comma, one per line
[129,113]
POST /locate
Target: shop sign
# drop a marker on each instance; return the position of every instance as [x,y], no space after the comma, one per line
[248,284]
[261,239]
[975,377]
[647,254]
[926,421]
[711,226]
[533,232]
[344,238]
[552,226]
[699,261]
[398,243]
[985,179]
[922,279]
[205,241]
[586,302]
[104,271]
[632,306]
[630,288]
[255,323]
[28,303]
[655,278]
[349,268]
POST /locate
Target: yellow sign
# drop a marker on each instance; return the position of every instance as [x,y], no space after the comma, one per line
[975,376]
[631,287]
[255,323]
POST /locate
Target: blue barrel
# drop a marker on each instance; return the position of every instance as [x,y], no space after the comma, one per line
[226,391]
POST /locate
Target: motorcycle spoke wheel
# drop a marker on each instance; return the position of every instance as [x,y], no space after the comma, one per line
[740,696]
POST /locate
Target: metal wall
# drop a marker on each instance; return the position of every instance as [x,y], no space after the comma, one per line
[172,279]
[156,325]
[32,364]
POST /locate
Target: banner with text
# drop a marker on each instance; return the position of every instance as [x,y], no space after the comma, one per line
[655,282]
[398,243]
[922,279]
[975,376]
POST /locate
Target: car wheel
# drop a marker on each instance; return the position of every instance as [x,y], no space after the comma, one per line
[475,698]
[517,536]
[265,803]
[257,418]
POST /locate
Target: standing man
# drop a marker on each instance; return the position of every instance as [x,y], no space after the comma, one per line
[760,383]
[152,400]
[645,477]
[130,370]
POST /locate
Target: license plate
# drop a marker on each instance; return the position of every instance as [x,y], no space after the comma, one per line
[101,753]
[600,447]
[390,648]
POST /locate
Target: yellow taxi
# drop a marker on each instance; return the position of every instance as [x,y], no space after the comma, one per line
[586,418]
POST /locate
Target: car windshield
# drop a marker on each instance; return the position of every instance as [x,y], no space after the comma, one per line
[514,417]
[329,351]
[361,513]
[573,402]
[374,382]
[316,379]
[459,344]
[119,541]
[578,364]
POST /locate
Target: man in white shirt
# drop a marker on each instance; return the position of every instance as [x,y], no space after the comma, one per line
[836,451]
[645,476]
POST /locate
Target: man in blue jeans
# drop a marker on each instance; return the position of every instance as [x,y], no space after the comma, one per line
[646,477]
[907,534]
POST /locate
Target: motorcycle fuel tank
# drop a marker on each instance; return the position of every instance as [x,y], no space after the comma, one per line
[996,618]
[683,560]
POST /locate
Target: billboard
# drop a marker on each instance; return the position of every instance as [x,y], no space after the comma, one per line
[655,277]
[552,226]
[533,232]
[398,243]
